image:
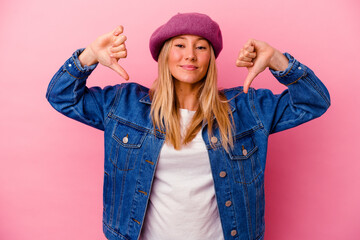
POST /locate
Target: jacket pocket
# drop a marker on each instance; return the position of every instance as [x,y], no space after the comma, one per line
[244,160]
[126,146]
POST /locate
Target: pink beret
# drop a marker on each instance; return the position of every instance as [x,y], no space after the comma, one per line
[187,23]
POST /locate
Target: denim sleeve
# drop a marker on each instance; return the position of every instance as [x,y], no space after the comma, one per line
[305,99]
[68,94]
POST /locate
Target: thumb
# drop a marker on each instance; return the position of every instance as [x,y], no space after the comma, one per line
[248,80]
[121,71]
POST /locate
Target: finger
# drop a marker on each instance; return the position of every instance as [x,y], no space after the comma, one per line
[117,55]
[250,45]
[249,54]
[245,59]
[122,47]
[250,48]
[118,30]
[248,80]
[118,40]
[240,63]
[117,68]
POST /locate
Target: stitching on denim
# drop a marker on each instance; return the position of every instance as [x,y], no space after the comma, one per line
[96,103]
[316,87]
[136,221]
[289,69]
[128,145]
[110,229]
[259,189]
[145,193]
[255,113]
[230,192]
[143,129]
[128,154]
[117,222]
[73,75]
[112,207]
[244,186]
[239,158]
[296,79]
[152,163]
[112,107]
[260,236]
[292,120]
[55,80]
[249,183]
[83,71]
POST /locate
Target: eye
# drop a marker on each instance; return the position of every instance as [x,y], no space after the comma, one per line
[201,47]
[179,45]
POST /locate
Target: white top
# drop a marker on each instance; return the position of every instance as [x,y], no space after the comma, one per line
[182,201]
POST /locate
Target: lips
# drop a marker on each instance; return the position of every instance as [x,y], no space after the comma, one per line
[189,67]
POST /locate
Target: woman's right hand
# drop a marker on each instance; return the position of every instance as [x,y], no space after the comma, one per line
[107,50]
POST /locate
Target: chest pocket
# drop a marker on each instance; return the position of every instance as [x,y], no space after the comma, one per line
[126,146]
[244,160]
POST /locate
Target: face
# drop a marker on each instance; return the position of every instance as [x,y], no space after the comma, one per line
[189,58]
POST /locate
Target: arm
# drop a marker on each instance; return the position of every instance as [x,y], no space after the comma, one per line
[306,97]
[67,91]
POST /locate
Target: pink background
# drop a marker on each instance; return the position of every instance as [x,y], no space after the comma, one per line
[51,167]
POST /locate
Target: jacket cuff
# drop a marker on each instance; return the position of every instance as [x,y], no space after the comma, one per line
[292,73]
[74,68]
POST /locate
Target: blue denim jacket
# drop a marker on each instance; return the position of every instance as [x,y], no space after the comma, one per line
[132,146]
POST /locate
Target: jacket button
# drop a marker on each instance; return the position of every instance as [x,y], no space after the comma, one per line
[228,203]
[233,233]
[222,174]
[125,139]
[214,139]
[244,152]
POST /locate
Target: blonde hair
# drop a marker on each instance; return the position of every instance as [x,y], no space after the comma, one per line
[212,105]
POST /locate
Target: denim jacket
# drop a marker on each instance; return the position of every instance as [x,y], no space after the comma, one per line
[132,146]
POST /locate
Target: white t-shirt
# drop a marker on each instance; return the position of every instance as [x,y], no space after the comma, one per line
[182,201]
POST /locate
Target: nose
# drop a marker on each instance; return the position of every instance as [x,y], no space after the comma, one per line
[190,54]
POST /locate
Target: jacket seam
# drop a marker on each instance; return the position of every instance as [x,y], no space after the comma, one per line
[77,65]
[113,231]
[255,114]
[97,104]
[115,103]
[54,82]
[74,76]
[320,92]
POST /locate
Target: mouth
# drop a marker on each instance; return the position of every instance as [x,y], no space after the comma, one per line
[189,67]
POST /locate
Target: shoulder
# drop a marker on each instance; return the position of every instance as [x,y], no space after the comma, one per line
[132,91]
[134,87]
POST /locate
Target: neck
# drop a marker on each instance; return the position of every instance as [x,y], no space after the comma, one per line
[187,95]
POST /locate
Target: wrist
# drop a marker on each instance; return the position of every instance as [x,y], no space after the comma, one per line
[278,61]
[87,57]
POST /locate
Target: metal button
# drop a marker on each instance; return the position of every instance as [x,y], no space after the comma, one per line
[125,139]
[244,152]
[228,203]
[233,233]
[222,174]
[214,139]
[69,65]
[299,68]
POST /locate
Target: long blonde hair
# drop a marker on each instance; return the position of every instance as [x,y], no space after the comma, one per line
[212,105]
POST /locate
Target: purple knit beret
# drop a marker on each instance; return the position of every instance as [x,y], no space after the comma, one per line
[187,23]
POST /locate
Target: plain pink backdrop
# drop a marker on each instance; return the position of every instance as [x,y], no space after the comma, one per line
[51,167]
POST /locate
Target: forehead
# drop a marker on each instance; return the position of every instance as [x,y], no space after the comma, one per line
[190,37]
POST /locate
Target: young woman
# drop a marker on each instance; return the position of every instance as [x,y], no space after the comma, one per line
[208,147]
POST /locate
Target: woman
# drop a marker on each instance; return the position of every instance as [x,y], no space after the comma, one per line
[208,146]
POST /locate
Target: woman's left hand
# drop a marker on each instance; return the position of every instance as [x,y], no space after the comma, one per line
[256,56]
